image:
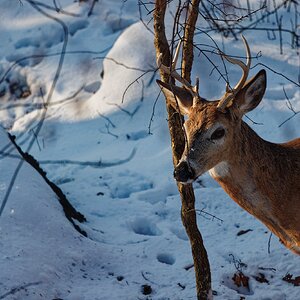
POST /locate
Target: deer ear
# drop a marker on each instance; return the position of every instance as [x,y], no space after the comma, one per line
[252,92]
[175,94]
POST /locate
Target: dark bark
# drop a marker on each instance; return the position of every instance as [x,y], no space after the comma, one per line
[70,212]
[175,121]
[188,49]
[161,45]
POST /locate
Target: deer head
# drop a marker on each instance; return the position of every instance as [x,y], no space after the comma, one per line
[212,127]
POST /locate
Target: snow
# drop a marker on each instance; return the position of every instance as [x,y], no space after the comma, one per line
[98,149]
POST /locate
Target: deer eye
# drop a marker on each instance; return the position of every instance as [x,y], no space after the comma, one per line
[217,134]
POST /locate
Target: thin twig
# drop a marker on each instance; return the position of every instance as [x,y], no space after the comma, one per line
[269,243]
[202,211]
[290,107]
[93,164]
[153,112]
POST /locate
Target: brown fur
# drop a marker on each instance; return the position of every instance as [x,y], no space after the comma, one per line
[272,171]
[260,176]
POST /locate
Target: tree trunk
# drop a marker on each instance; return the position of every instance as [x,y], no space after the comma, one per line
[175,121]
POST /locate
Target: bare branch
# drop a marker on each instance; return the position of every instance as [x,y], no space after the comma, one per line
[93,164]
[290,107]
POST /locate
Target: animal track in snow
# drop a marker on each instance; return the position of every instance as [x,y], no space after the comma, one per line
[152,196]
[78,25]
[166,258]
[27,42]
[180,233]
[92,87]
[54,35]
[114,23]
[127,184]
[34,58]
[137,135]
[144,226]
[60,181]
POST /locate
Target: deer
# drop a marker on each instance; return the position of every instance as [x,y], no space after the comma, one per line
[260,176]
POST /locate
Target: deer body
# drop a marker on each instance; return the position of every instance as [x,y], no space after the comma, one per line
[260,176]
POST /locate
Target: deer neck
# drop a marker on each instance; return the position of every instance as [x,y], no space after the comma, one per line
[255,178]
[250,169]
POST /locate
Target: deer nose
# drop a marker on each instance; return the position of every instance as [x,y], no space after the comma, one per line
[183,172]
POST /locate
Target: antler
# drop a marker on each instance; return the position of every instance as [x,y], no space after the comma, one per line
[230,94]
[173,73]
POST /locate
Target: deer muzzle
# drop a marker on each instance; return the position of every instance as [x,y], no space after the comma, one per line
[184,173]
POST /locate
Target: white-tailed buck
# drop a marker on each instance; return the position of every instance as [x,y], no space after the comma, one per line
[262,177]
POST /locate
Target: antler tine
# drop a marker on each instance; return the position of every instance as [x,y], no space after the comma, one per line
[176,55]
[173,73]
[244,67]
[229,95]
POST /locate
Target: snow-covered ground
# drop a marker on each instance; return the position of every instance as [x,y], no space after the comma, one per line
[95,145]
